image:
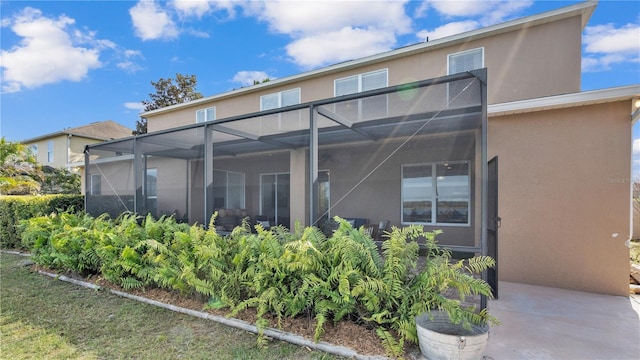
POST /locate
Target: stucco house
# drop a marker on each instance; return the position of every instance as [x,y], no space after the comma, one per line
[484,135]
[65,148]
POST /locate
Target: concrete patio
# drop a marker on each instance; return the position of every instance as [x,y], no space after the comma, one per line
[548,323]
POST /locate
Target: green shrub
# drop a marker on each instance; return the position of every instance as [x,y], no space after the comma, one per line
[275,271]
[14,209]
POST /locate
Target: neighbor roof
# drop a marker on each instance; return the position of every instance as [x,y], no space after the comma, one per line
[101,130]
[584,10]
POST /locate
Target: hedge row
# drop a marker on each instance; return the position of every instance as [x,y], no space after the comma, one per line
[13,209]
[277,272]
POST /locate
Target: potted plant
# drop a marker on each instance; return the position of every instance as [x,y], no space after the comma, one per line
[433,308]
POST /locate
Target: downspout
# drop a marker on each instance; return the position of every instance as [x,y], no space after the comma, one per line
[635,116]
[67,166]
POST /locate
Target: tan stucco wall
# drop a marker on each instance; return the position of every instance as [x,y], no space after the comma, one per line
[59,151]
[65,150]
[565,212]
[538,61]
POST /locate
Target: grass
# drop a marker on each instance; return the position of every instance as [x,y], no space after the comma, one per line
[45,318]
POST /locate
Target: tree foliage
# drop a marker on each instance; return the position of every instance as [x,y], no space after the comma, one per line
[20,173]
[168,92]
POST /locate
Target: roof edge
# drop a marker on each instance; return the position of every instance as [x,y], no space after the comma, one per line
[565,100]
[584,8]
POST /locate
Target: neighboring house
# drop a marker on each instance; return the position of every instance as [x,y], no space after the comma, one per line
[354,140]
[65,149]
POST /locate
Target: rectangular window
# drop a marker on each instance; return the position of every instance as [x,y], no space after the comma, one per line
[151,190]
[361,82]
[228,190]
[96,184]
[461,62]
[466,60]
[280,99]
[207,114]
[436,193]
[34,149]
[367,108]
[50,151]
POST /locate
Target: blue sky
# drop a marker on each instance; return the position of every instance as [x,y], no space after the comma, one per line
[69,63]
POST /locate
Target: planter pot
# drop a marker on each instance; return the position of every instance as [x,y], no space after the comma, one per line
[439,339]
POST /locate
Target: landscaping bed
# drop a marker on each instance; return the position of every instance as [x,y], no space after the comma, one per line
[339,289]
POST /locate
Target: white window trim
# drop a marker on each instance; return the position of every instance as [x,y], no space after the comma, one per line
[204,111]
[449,56]
[50,151]
[279,93]
[359,77]
[434,198]
[91,190]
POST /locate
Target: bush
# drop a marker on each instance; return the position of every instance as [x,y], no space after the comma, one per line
[14,209]
[277,272]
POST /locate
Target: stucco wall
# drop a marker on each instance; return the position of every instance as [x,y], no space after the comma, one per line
[564,196]
[540,60]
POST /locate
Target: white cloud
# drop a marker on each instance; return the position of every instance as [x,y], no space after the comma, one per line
[48,52]
[636,147]
[488,12]
[481,13]
[246,78]
[345,44]
[127,63]
[138,106]
[461,8]
[449,29]
[150,22]
[606,45]
[199,8]
[327,28]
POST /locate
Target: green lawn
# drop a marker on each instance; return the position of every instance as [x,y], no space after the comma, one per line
[43,318]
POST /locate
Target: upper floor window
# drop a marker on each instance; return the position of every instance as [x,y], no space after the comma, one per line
[361,82]
[280,99]
[50,151]
[466,60]
[207,114]
[368,108]
[436,193]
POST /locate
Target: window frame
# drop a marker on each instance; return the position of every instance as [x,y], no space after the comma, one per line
[92,189]
[34,149]
[205,113]
[465,52]
[279,95]
[434,194]
[243,200]
[50,151]
[359,80]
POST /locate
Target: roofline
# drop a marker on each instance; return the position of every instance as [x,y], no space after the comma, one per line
[565,101]
[60,133]
[585,9]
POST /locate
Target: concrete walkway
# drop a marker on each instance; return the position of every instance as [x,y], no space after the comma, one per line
[548,323]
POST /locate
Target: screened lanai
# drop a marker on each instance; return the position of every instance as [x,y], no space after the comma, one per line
[408,154]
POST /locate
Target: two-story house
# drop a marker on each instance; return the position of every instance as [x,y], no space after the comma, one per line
[411,136]
[65,148]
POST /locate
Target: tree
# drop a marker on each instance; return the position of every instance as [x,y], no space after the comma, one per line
[20,173]
[60,181]
[168,93]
